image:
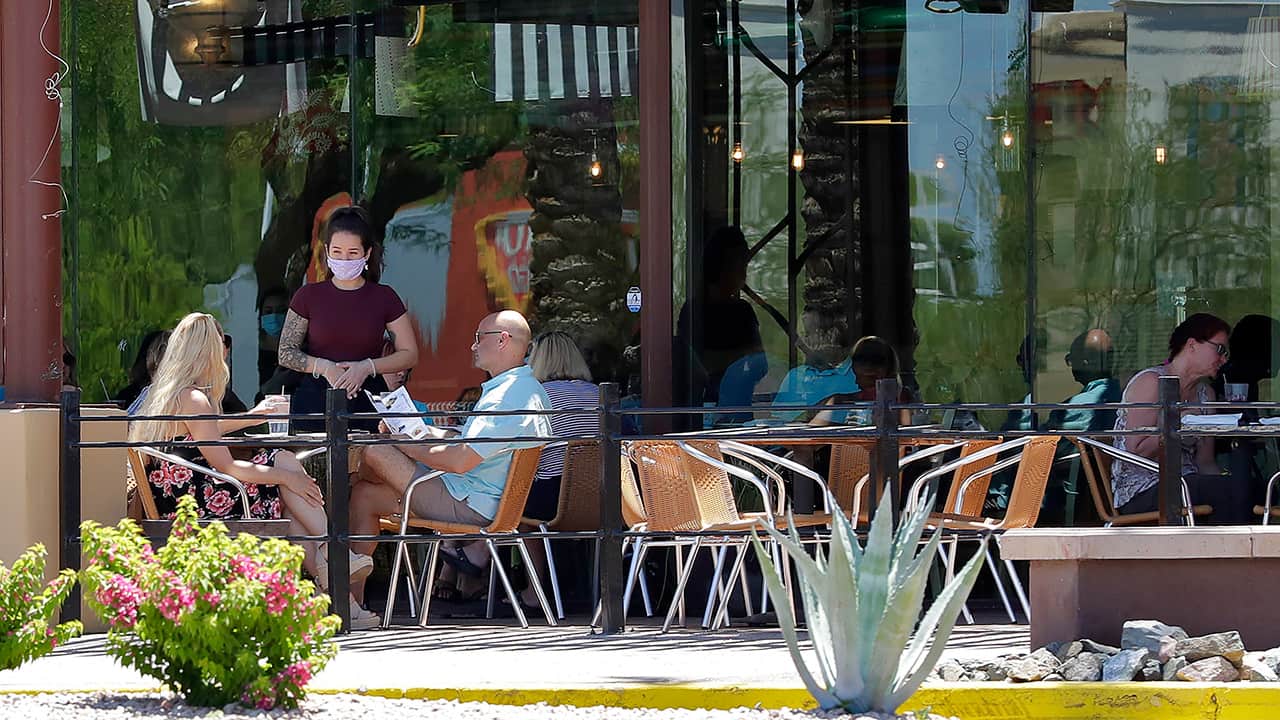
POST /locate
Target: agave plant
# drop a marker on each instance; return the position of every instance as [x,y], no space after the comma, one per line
[862,606]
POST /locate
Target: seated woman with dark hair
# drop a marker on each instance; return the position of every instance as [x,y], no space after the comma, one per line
[1197,350]
[873,359]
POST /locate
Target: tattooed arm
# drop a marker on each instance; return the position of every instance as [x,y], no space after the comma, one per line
[291,356]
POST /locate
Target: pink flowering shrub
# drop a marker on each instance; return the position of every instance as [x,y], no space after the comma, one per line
[27,609]
[217,619]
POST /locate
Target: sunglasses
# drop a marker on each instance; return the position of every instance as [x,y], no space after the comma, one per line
[1220,348]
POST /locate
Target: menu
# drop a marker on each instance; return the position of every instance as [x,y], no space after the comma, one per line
[398,401]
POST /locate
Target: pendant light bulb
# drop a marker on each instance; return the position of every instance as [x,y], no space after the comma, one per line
[940,163]
[797,160]
[1006,138]
[596,169]
[737,153]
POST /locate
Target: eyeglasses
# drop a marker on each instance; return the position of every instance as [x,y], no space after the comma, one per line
[488,332]
[1222,349]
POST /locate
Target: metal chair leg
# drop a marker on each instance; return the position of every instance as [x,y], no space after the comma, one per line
[687,569]
[491,598]
[1004,596]
[950,573]
[400,552]
[551,572]
[722,617]
[506,584]
[716,586]
[537,586]
[1017,588]
[429,572]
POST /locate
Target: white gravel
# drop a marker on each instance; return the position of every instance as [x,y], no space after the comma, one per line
[99,706]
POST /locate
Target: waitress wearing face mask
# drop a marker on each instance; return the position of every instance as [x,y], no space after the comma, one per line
[333,331]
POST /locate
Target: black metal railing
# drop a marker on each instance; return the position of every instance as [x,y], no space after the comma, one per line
[612,531]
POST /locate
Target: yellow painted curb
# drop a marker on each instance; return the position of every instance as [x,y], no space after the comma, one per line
[969,701]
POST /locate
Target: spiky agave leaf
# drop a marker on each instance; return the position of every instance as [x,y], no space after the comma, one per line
[787,622]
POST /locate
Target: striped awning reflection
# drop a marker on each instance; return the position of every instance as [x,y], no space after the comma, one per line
[536,61]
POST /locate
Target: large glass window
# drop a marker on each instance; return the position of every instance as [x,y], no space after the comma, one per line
[495,145]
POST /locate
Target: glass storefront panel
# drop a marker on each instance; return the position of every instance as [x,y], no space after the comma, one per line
[1154,123]
[494,144]
[859,151]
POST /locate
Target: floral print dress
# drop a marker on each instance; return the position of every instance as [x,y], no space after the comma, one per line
[215,500]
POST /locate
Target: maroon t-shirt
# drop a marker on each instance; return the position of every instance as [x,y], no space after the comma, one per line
[346,325]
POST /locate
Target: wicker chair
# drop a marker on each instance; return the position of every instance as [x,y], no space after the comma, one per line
[155,527]
[502,530]
[686,488]
[1097,474]
[579,505]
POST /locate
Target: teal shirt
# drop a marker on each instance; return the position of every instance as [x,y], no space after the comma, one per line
[1102,390]
[807,385]
[516,389]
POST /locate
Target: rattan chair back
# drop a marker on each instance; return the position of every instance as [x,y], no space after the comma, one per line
[579,508]
[138,465]
[679,492]
[850,461]
[1097,475]
[1030,483]
[977,492]
[524,465]
[633,513]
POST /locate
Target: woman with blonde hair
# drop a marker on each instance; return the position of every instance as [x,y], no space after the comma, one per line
[191,380]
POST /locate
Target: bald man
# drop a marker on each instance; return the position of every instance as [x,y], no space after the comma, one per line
[475,473]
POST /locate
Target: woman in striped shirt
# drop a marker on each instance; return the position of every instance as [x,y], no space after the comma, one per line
[557,362]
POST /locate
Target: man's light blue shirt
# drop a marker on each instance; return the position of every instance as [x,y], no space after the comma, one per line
[516,389]
[807,385]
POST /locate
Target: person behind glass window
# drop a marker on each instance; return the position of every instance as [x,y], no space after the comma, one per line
[1253,356]
[190,380]
[273,379]
[1198,348]
[873,359]
[342,321]
[730,347]
[1090,359]
[143,368]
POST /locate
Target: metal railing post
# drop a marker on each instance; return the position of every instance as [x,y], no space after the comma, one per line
[1168,499]
[884,462]
[336,497]
[69,495]
[611,569]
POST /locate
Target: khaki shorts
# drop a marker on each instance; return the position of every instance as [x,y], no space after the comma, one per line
[432,501]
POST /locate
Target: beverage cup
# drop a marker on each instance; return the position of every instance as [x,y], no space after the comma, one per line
[281,426]
[1236,392]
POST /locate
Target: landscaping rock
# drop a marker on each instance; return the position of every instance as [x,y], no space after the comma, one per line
[1052,677]
[1150,671]
[1124,665]
[1224,644]
[1085,667]
[1272,658]
[1068,650]
[1255,668]
[1172,667]
[1147,634]
[993,670]
[951,671]
[1095,647]
[1031,668]
[1210,669]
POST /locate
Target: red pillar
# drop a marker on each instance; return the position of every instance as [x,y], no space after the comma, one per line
[30,245]
[655,203]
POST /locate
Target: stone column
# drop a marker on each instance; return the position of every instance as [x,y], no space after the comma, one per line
[30,235]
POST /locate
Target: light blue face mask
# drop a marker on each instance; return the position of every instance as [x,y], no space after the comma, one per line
[272,324]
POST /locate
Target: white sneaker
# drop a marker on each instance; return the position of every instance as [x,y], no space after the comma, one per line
[362,619]
[359,565]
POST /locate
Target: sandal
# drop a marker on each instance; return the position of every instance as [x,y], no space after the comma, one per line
[457,559]
[447,594]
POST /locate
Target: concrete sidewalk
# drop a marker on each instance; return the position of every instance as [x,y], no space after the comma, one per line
[484,655]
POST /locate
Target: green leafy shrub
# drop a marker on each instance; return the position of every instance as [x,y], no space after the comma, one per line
[862,605]
[27,608]
[215,618]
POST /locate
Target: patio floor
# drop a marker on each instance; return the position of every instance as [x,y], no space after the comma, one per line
[490,654]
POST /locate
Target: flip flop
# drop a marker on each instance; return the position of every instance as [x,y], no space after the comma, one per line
[458,560]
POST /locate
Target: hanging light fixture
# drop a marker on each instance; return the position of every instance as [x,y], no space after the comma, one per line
[737,153]
[797,159]
[940,163]
[1162,155]
[596,169]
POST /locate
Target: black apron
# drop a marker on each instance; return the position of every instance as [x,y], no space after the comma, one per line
[309,397]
